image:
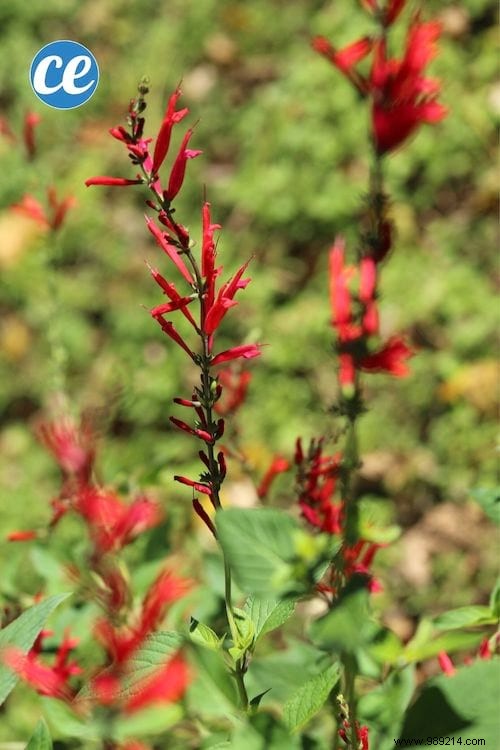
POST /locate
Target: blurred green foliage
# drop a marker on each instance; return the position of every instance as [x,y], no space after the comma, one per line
[285,164]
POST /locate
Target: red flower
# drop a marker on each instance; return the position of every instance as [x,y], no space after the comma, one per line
[165,132]
[22,536]
[33,209]
[247,351]
[316,484]
[31,120]
[166,685]
[278,466]
[165,590]
[73,446]
[346,58]
[446,664]
[169,249]
[179,168]
[47,680]
[391,358]
[112,181]
[235,388]
[403,99]
[113,524]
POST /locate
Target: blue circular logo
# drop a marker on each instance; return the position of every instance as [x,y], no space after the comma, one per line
[64,74]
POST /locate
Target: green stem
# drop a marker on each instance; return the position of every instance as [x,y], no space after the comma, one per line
[350,677]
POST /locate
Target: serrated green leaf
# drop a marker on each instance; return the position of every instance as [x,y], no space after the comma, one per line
[156,650]
[258,545]
[347,626]
[204,636]
[22,633]
[464,705]
[385,706]
[40,739]
[489,500]
[464,617]
[268,613]
[310,697]
[452,641]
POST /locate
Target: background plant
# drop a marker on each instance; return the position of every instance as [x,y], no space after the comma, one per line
[418,479]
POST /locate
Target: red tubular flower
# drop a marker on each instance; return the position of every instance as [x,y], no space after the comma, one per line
[33,209]
[165,132]
[166,685]
[169,249]
[391,358]
[179,168]
[202,434]
[59,207]
[208,253]
[172,293]
[198,486]
[278,466]
[392,11]
[168,328]
[47,680]
[340,296]
[402,98]
[113,524]
[346,58]
[31,120]
[22,536]
[247,351]
[446,664]
[201,512]
[73,446]
[165,590]
[235,388]
[316,484]
[111,181]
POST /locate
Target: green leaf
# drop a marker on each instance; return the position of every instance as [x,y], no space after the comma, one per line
[156,650]
[22,633]
[283,672]
[346,627]
[489,500]
[385,647]
[213,692]
[204,636]
[258,545]
[309,698]
[149,722]
[375,517]
[243,633]
[255,701]
[452,641]
[263,732]
[64,723]
[495,600]
[464,617]
[464,705]
[268,613]
[40,739]
[384,707]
